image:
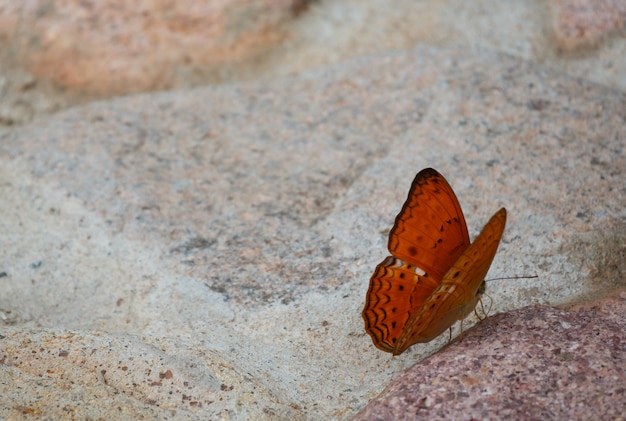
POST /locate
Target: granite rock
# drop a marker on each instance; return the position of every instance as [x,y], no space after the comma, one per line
[537,362]
[218,242]
[111,48]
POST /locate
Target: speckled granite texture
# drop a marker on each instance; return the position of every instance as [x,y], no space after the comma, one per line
[583,24]
[57,54]
[533,363]
[205,253]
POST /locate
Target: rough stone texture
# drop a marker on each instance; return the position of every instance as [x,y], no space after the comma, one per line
[226,235]
[533,363]
[177,46]
[75,374]
[115,47]
[585,23]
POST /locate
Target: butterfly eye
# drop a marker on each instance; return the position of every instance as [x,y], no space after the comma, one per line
[481,289]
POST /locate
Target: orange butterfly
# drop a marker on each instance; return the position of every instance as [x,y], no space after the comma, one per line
[434,276]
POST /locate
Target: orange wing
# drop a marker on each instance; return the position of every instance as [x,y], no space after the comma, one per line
[459,291]
[428,236]
[397,289]
[430,231]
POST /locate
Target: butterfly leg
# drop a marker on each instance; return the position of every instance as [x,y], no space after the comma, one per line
[486,313]
[482,310]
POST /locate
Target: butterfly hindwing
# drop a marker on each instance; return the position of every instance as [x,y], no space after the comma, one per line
[396,290]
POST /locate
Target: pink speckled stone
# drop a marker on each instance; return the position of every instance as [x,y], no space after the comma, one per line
[537,362]
[584,23]
[112,47]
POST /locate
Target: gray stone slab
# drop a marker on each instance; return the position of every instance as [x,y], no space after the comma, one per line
[227,234]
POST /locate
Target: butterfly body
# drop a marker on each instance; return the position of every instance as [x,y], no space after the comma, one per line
[434,276]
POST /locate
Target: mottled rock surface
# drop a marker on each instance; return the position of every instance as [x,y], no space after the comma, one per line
[537,362]
[110,48]
[579,24]
[57,54]
[206,253]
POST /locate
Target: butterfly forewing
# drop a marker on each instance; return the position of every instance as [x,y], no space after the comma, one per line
[458,293]
[430,230]
[397,289]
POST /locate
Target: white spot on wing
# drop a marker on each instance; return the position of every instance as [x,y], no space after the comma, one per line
[398,263]
[449,290]
[419,271]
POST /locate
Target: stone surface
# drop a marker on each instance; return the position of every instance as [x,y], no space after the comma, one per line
[226,235]
[110,47]
[158,45]
[533,363]
[581,24]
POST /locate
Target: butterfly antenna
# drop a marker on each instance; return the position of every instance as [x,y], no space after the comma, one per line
[512,277]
